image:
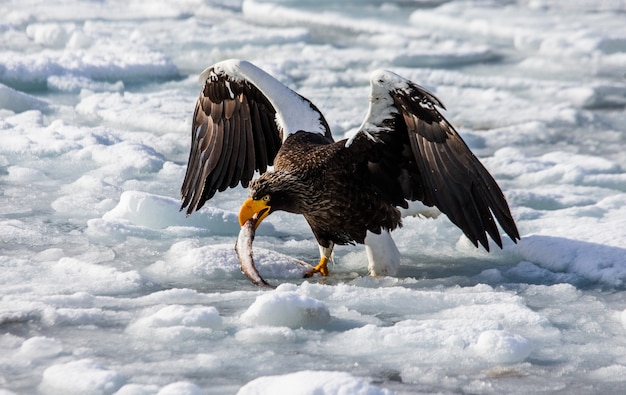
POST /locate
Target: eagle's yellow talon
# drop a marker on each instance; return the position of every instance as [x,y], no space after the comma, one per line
[321,268]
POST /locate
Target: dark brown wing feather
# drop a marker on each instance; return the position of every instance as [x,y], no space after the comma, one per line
[453,178]
[233,134]
[415,154]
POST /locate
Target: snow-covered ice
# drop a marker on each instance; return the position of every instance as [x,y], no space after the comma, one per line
[106,288]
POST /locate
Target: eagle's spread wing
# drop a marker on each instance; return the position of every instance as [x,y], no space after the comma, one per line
[241,119]
[414,153]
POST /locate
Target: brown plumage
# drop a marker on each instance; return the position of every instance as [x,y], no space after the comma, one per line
[405,150]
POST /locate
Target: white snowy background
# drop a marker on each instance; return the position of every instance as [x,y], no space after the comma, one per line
[105,288]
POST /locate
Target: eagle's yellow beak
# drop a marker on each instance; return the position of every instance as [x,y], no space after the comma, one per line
[255,209]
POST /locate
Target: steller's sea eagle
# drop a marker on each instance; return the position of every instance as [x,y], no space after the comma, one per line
[405,150]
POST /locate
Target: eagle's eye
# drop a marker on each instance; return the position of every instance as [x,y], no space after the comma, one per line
[266,198]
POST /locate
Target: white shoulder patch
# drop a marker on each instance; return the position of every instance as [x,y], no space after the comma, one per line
[293,112]
[381,108]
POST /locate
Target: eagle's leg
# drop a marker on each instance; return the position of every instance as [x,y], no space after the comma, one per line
[322,267]
[326,254]
[382,254]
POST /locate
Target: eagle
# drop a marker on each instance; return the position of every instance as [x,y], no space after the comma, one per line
[349,191]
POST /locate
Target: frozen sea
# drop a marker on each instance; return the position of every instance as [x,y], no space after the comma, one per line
[106,288]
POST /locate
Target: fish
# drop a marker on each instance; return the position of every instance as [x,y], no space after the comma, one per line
[243,248]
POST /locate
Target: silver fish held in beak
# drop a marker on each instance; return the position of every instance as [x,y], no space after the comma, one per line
[243,247]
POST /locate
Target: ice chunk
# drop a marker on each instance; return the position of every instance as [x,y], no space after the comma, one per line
[310,382]
[502,347]
[40,347]
[266,334]
[81,275]
[137,389]
[177,322]
[82,377]
[609,373]
[192,264]
[590,261]
[286,309]
[181,388]
[17,101]
[150,211]
[49,34]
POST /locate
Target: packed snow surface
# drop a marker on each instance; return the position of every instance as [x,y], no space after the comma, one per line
[106,288]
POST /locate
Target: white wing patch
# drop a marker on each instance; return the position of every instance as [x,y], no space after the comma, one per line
[383,83]
[293,112]
[381,103]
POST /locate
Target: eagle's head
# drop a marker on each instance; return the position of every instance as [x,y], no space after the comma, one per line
[273,191]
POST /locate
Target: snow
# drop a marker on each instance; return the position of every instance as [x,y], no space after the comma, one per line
[107,288]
